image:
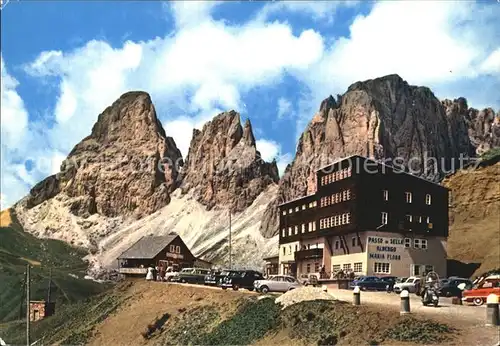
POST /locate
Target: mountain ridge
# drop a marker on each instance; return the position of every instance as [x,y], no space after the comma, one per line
[224,172]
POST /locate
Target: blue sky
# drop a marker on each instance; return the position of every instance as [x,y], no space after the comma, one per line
[63,62]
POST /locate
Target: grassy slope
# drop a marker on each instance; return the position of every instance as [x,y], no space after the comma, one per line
[475,217]
[18,248]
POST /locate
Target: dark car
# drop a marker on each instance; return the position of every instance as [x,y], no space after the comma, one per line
[191,275]
[450,288]
[242,279]
[389,281]
[215,278]
[369,283]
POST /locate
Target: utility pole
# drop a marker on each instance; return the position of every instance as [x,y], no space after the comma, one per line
[230,254]
[23,292]
[28,284]
[50,286]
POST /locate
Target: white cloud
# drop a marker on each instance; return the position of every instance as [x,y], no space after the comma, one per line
[492,64]
[284,107]
[14,119]
[427,43]
[270,150]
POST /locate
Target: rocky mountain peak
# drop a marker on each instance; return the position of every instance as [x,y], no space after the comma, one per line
[223,167]
[383,118]
[126,166]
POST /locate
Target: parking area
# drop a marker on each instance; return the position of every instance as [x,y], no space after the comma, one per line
[445,309]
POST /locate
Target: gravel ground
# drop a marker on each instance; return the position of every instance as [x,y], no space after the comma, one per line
[303,294]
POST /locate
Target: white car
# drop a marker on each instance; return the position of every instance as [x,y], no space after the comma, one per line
[412,284]
[276,283]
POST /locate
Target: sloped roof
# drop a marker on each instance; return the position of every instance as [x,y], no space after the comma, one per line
[148,247]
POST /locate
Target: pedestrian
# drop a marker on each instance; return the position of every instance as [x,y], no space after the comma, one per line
[149,275]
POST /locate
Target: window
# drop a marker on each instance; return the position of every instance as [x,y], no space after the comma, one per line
[409,218]
[284,212]
[308,270]
[428,219]
[408,197]
[290,211]
[303,230]
[423,244]
[346,266]
[314,225]
[284,251]
[349,171]
[348,218]
[303,207]
[428,199]
[316,267]
[344,218]
[358,267]
[172,248]
[296,247]
[337,244]
[384,218]
[296,208]
[327,222]
[416,243]
[354,241]
[178,249]
[382,268]
[283,232]
[289,231]
[335,268]
[344,195]
[296,229]
[407,242]
[386,195]
[321,224]
[290,249]
[348,194]
[416,270]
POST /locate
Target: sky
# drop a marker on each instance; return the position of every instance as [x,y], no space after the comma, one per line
[63,62]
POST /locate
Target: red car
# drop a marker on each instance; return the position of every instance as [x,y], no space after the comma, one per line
[478,294]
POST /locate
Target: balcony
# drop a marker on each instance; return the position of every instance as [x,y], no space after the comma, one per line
[308,254]
[133,271]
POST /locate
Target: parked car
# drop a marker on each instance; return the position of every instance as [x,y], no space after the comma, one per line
[412,285]
[369,283]
[242,279]
[191,275]
[478,294]
[389,282]
[276,283]
[215,278]
[450,287]
[170,273]
[309,280]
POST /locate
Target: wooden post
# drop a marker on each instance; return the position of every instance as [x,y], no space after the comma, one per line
[28,284]
[50,286]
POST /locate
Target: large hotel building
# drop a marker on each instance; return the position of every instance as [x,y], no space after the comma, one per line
[367,217]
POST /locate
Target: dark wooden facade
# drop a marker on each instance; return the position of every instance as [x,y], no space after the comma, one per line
[366,181]
[156,251]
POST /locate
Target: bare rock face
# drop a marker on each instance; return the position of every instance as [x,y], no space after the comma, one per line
[127,166]
[223,167]
[384,118]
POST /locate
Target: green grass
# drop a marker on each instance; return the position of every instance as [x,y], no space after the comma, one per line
[18,248]
[490,154]
[72,324]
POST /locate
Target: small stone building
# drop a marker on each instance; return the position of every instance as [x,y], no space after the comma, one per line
[39,309]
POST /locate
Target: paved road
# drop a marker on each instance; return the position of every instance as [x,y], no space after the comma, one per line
[464,312]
